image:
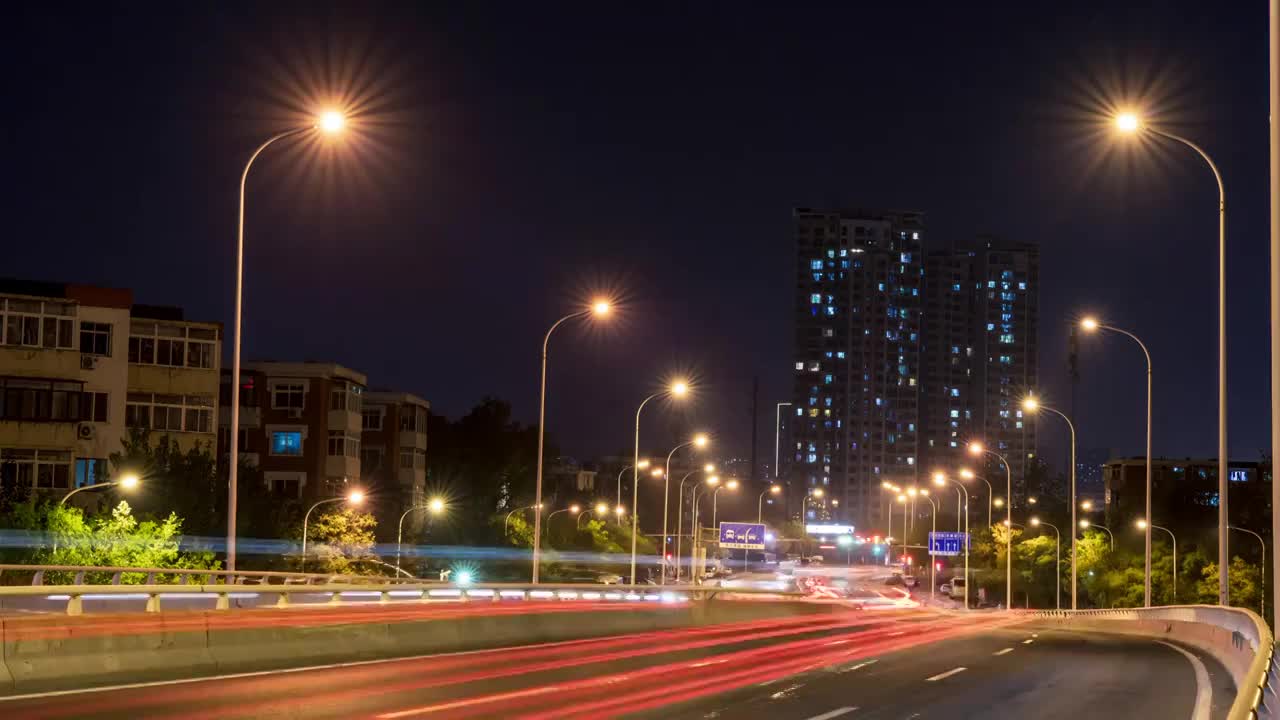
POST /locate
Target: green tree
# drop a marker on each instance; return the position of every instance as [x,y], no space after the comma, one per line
[341,541]
[1035,568]
[1244,581]
[117,539]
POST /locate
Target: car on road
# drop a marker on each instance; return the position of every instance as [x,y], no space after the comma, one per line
[957,589]
[894,580]
[945,588]
[608,578]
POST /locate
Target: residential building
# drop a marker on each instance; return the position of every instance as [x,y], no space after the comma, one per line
[855,411]
[80,365]
[1184,492]
[301,424]
[393,451]
[979,344]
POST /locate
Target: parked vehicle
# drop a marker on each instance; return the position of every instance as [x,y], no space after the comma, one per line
[957,589]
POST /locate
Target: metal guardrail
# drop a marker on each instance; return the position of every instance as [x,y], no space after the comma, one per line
[1256,694]
[388,592]
[208,577]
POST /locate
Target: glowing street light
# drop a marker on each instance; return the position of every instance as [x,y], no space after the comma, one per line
[599,308]
[643,465]
[1129,123]
[678,389]
[699,441]
[355,497]
[435,506]
[1087,505]
[1092,325]
[998,502]
[774,489]
[329,122]
[1032,405]
[1085,525]
[128,481]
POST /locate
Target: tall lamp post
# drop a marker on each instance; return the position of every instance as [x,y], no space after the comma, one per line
[815,494]
[1263,608]
[644,465]
[777,441]
[435,507]
[771,490]
[940,479]
[707,469]
[128,481]
[715,496]
[677,389]
[355,497]
[600,509]
[1130,123]
[933,565]
[976,448]
[698,491]
[1143,525]
[599,308]
[700,440]
[1092,325]
[1057,560]
[968,474]
[1030,404]
[329,122]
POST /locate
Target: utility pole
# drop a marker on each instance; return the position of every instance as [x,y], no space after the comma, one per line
[755,427]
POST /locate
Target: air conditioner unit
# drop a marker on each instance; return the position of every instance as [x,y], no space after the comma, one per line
[85,431]
[295,413]
[88,362]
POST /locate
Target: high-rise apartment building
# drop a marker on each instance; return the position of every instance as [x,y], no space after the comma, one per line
[855,415]
[979,347]
[901,357]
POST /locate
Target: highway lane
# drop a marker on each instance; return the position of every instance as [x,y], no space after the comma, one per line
[1024,671]
[801,667]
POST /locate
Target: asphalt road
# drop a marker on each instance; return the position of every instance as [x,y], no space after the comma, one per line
[896,664]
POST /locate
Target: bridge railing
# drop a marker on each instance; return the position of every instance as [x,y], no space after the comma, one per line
[385,590]
[183,576]
[1237,637]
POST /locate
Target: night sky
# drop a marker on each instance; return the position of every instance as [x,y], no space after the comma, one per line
[505,162]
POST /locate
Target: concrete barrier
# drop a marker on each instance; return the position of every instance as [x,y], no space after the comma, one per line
[46,653]
[1236,637]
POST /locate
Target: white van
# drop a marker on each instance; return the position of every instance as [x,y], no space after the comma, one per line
[957,588]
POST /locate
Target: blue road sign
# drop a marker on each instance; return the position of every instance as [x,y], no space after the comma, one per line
[947,543]
[742,536]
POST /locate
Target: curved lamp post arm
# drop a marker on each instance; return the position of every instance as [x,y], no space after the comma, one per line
[542,424]
[306,519]
[635,486]
[95,486]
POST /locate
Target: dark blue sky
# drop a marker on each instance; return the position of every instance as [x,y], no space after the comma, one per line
[510,158]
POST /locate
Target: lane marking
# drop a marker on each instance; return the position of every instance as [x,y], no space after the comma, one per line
[1028,641]
[859,666]
[481,700]
[1003,652]
[834,713]
[896,634]
[1204,691]
[945,675]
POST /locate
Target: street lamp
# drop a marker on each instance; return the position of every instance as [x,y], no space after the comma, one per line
[598,308]
[1087,505]
[940,479]
[777,436]
[644,465]
[1130,124]
[1144,525]
[1085,525]
[698,491]
[600,509]
[129,481]
[968,474]
[731,485]
[355,497]
[435,507]
[1092,325]
[707,469]
[977,449]
[1263,610]
[329,122]
[700,441]
[506,522]
[774,489]
[933,566]
[571,509]
[1032,405]
[677,389]
[816,493]
[1057,559]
